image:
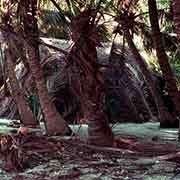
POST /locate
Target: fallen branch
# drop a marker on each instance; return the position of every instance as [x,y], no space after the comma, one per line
[103,149]
[20,150]
[169,156]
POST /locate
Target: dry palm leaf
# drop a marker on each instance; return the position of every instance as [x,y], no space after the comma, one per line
[19,150]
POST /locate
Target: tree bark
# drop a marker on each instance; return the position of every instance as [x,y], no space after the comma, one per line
[162,56]
[55,124]
[98,127]
[164,115]
[131,90]
[26,115]
[176,16]
[92,92]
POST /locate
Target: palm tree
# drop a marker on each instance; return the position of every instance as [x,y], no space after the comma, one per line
[55,124]
[164,115]
[176,16]
[162,56]
[26,115]
[83,56]
[127,27]
[134,96]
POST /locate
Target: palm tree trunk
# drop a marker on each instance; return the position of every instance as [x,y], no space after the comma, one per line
[164,115]
[98,127]
[55,124]
[26,115]
[138,98]
[92,93]
[176,16]
[162,56]
[131,90]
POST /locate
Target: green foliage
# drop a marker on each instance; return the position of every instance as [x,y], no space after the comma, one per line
[176,56]
[35,105]
[112,106]
[175,65]
[53,25]
[55,21]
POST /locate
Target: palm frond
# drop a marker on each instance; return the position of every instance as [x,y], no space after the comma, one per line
[52,23]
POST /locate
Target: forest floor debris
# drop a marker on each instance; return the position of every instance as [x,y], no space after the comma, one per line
[42,157]
[134,157]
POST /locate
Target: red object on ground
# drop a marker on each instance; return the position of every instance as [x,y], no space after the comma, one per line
[23,130]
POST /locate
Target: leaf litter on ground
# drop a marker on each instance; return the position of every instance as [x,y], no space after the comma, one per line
[37,156]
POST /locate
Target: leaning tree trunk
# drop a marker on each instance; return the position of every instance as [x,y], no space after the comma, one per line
[55,124]
[162,56]
[92,92]
[164,115]
[26,115]
[176,16]
[134,97]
